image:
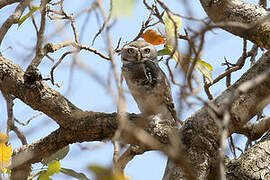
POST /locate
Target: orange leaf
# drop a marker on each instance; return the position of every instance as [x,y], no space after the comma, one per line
[153,37]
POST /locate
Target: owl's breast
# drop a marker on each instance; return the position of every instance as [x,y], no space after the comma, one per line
[133,72]
[142,83]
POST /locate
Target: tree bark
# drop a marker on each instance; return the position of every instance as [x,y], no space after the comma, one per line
[253,164]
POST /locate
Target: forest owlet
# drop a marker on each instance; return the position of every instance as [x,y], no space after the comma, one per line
[147,83]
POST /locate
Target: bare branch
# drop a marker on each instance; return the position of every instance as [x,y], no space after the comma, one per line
[235,67]
[255,130]
[72,20]
[253,164]
[4,3]
[106,20]
[58,62]
[40,37]
[10,122]
[242,13]
[13,18]
[29,120]
[36,93]
[49,48]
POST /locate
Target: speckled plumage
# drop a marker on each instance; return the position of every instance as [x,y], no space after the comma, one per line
[147,83]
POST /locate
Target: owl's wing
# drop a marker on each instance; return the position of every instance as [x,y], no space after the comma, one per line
[168,100]
[162,87]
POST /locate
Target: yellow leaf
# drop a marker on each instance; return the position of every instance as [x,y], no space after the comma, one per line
[54,167]
[5,156]
[170,27]
[122,7]
[3,138]
[205,68]
[152,37]
[205,64]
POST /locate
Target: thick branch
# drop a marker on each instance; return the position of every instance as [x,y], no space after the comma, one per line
[93,127]
[253,164]
[200,133]
[240,18]
[255,130]
[37,94]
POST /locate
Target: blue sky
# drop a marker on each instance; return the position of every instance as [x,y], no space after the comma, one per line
[88,93]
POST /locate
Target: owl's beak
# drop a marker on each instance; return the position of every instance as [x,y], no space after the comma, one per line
[139,56]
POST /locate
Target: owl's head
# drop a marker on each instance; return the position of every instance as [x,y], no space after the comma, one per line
[138,51]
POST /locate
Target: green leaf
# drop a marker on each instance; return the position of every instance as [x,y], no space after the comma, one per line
[61,154]
[44,176]
[169,27]
[74,174]
[164,51]
[22,19]
[122,7]
[54,167]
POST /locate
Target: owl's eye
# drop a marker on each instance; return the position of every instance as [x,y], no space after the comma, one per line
[130,50]
[147,50]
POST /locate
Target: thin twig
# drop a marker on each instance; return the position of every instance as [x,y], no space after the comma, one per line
[10,122]
[50,48]
[105,24]
[40,37]
[240,63]
[145,25]
[59,61]
[72,20]
[29,120]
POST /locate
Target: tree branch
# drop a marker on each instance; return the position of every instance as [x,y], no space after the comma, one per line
[255,130]
[13,18]
[7,2]
[253,164]
[239,13]
[36,94]
[201,144]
